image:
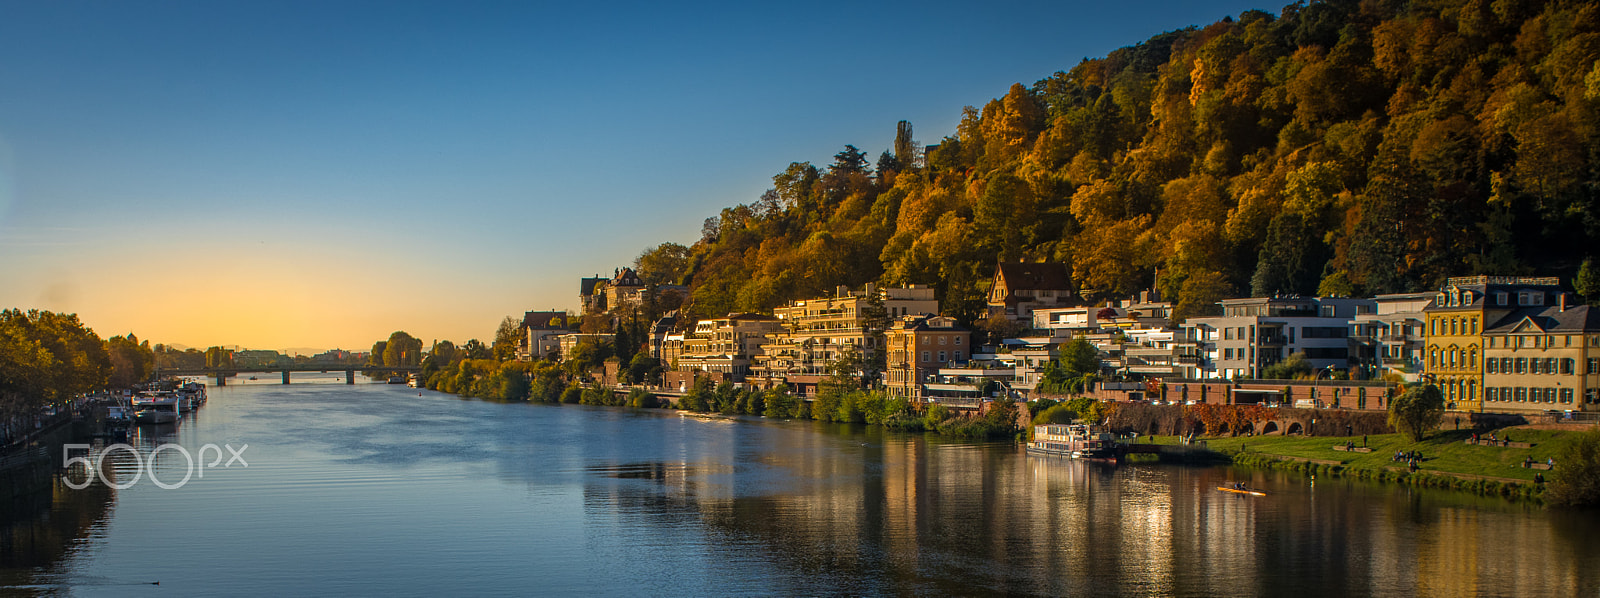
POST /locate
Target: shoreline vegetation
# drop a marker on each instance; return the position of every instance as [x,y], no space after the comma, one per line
[1448,461]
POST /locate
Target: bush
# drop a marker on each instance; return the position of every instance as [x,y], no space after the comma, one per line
[1575,482]
[572,395]
[638,398]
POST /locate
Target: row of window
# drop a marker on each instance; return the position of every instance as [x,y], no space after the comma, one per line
[1452,326]
[928,340]
[1535,395]
[1453,358]
[927,356]
[1535,365]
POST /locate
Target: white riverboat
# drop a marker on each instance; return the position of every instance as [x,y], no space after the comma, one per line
[1079,441]
[156,408]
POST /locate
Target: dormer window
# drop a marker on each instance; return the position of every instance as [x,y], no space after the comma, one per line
[1501,298]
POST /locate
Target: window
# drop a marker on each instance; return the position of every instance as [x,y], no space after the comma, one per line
[1488,366]
[1591,395]
[958,341]
[1566,396]
[1227,333]
[1549,365]
[1472,358]
[1433,358]
[958,354]
[926,357]
[1491,394]
[1522,394]
[1452,327]
[1505,365]
[1501,298]
[1433,327]
[927,340]
[1549,395]
[1453,357]
[1522,365]
[1594,366]
[942,357]
[943,340]
[1568,366]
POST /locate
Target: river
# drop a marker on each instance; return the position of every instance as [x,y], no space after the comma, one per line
[379,489]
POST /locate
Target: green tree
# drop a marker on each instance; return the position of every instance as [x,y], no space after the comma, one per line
[1575,482]
[506,339]
[1587,282]
[1079,357]
[1416,411]
[1289,368]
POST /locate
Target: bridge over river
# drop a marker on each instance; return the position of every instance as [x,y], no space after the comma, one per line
[221,375]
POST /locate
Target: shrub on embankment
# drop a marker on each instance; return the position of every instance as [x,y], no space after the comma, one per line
[1575,481]
[1421,479]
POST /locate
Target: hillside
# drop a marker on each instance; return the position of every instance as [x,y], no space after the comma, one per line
[1338,147]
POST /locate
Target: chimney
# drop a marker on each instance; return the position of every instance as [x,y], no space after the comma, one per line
[1561,301]
[841,291]
[872,289]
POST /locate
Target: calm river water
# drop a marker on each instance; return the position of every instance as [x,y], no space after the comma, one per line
[373,489]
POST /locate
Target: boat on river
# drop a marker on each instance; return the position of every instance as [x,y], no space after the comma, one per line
[155,408]
[1078,441]
[1241,490]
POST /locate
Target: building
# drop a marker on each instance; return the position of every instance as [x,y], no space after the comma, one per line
[540,330]
[726,344]
[1538,359]
[1066,322]
[817,332]
[570,340]
[917,347]
[1253,334]
[1391,340]
[1019,289]
[1462,309]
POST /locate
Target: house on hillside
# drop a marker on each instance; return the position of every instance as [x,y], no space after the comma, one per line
[1020,288]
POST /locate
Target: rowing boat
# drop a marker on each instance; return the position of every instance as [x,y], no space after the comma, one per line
[1241,491]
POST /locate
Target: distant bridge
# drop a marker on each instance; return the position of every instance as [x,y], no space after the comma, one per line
[222,374]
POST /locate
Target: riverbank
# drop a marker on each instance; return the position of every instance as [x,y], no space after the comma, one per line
[1448,460]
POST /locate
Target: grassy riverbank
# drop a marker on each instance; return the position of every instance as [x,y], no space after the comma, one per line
[1448,461]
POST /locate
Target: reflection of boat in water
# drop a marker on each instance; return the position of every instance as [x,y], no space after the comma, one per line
[252,377]
[155,408]
[1079,441]
[1241,489]
[397,379]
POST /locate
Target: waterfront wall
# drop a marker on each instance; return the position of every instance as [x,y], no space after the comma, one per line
[1235,420]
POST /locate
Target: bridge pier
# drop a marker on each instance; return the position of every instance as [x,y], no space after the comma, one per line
[286,376]
[349,376]
[222,379]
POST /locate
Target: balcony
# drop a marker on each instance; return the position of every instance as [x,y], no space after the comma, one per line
[1271,340]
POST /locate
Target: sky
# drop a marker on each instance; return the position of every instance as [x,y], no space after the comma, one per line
[321,174]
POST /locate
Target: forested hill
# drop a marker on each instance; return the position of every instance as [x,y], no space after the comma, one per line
[1339,147]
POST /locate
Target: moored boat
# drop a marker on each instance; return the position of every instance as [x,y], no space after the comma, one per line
[1078,441]
[155,408]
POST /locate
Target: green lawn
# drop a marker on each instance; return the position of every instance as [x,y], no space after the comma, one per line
[1441,451]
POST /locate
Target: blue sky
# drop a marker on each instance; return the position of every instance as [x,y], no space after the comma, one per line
[320,174]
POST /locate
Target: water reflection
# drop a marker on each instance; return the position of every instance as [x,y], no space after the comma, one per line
[376,490]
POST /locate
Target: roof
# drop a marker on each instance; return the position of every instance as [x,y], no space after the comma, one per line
[544,320]
[1550,319]
[751,316]
[586,285]
[1039,277]
[626,278]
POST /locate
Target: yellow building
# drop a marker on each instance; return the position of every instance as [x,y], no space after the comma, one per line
[1456,321]
[1543,359]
